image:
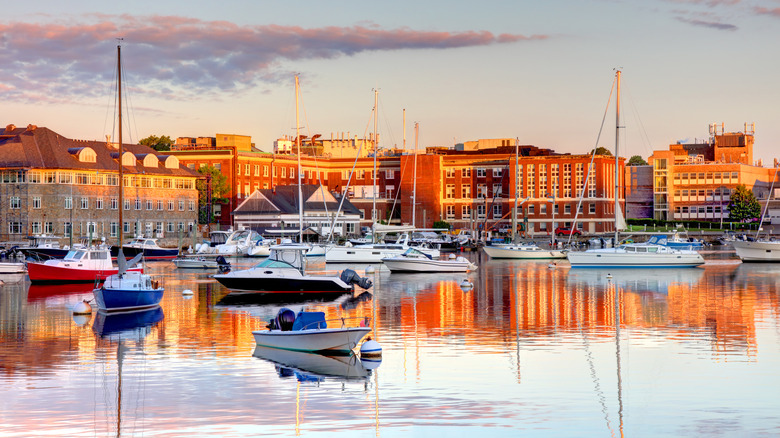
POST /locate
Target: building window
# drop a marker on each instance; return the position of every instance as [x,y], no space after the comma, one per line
[292,172]
[389,192]
[592,208]
[160,205]
[450,173]
[450,212]
[566,209]
[14,227]
[137,204]
[181,205]
[99,203]
[450,191]
[36,202]
[68,203]
[465,191]
[496,190]
[265,170]
[284,172]
[169,227]
[543,209]
[67,229]
[465,172]
[114,229]
[481,191]
[84,203]
[531,210]
[481,173]
[246,169]
[497,172]
[389,174]
[36,228]
[16,202]
[465,212]
[192,205]
[149,204]
[115,203]
[170,205]
[481,211]
[48,227]
[496,211]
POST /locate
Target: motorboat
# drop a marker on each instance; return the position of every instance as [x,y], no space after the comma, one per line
[636,255]
[374,252]
[284,272]
[260,248]
[195,262]
[215,238]
[238,244]
[676,241]
[307,366]
[12,262]
[44,246]
[761,250]
[413,260]
[128,290]
[80,265]
[311,332]
[522,251]
[148,247]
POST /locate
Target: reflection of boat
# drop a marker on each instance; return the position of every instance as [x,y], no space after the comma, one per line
[522,251]
[38,292]
[284,272]
[195,263]
[133,325]
[644,280]
[413,260]
[80,265]
[313,366]
[309,331]
[758,250]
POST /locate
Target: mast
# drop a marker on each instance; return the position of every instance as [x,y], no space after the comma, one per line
[517,187]
[376,150]
[298,143]
[414,177]
[617,154]
[121,149]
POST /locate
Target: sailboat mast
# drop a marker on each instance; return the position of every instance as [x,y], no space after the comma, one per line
[617,154]
[121,149]
[376,151]
[517,187]
[298,144]
[414,176]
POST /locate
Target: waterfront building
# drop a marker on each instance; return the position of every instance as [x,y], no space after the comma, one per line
[69,188]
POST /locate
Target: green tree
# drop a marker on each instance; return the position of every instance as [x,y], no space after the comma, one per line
[441,224]
[213,178]
[601,151]
[162,143]
[636,160]
[743,205]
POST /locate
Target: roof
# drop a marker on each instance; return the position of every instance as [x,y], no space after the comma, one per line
[284,200]
[35,147]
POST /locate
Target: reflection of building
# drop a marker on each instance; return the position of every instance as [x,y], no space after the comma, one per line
[695,181]
[54,185]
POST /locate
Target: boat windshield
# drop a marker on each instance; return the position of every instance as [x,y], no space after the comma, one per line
[270,263]
[75,255]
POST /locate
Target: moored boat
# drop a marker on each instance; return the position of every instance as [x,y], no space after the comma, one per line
[413,260]
[522,251]
[148,247]
[80,265]
[311,332]
[758,250]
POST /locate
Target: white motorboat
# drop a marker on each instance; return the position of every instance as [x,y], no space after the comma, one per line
[413,260]
[374,252]
[311,332]
[195,263]
[12,267]
[522,251]
[284,272]
[238,244]
[758,250]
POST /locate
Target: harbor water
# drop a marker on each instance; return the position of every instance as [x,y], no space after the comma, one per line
[532,349]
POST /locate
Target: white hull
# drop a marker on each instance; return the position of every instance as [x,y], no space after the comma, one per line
[12,268]
[368,254]
[758,251]
[334,340]
[621,258]
[195,263]
[522,252]
[403,264]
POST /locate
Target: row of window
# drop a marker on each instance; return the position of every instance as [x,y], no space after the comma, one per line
[497,210]
[700,209]
[93,178]
[15,203]
[95,229]
[718,191]
[480,171]
[716,176]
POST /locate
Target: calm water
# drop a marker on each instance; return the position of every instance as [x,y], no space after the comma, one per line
[530,350]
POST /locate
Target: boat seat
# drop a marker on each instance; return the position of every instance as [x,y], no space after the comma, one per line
[310,320]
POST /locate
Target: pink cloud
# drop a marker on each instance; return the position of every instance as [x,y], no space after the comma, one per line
[168,54]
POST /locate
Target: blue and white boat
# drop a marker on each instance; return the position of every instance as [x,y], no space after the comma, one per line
[127,291]
[677,242]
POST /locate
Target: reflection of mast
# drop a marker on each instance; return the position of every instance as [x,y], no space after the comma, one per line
[617,355]
[120,353]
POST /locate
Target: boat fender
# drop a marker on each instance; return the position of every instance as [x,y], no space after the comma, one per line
[370,348]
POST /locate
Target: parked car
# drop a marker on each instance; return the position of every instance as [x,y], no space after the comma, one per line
[566,231]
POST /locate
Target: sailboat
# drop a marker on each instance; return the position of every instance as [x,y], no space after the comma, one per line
[759,250]
[126,290]
[284,271]
[631,255]
[517,250]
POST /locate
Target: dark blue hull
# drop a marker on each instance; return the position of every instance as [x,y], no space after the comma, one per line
[149,253]
[111,300]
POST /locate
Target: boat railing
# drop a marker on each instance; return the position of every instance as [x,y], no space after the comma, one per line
[363,321]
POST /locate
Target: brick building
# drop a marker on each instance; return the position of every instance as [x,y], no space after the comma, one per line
[54,185]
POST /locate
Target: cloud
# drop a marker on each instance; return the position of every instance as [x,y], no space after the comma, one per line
[775,12]
[169,54]
[709,24]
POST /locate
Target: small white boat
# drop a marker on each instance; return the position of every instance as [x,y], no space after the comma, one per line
[310,332]
[758,250]
[413,260]
[12,268]
[522,251]
[195,263]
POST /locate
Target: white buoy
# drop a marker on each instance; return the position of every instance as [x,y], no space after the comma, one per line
[451,256]
[187,292]
[82,308]
[371,363]
[609,276]
[370,348]
[81,320]
[466,284]
[369,269]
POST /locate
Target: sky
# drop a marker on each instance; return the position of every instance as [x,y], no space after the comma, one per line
[539,71]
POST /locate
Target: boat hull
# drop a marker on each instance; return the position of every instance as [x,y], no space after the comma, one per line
[513,252]
[42,273]
[149,253]
[120,299]
[758,251]
[401,264]
[620,259]
[282,284]
[11,268]
[329,340]
[195,263]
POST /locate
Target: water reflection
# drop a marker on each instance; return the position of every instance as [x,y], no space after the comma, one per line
[128,325]
[312,367]
[636,280]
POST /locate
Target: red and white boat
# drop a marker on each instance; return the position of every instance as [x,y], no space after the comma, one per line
[78,266]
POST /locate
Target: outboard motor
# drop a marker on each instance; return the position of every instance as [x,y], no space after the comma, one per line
[351,277]
[285,319]
[223,265]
